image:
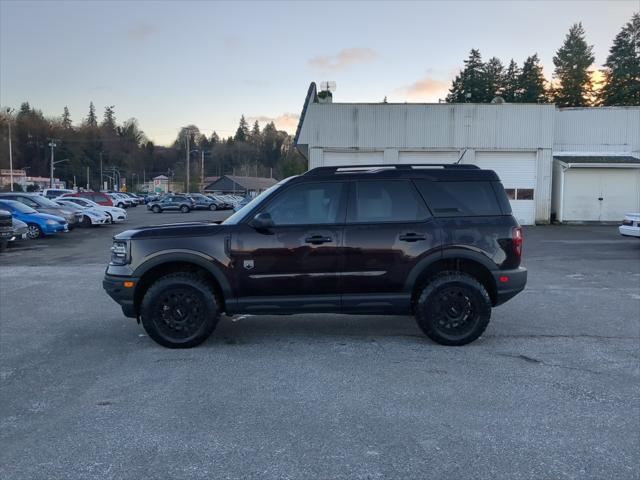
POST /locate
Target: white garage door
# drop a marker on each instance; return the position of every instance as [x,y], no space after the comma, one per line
[600,194]
[428,157]
[517,171]
[330,159]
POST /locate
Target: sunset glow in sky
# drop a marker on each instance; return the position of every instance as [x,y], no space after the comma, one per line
[170,64]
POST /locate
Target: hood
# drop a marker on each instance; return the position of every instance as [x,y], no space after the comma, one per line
[187,229]
[46,216]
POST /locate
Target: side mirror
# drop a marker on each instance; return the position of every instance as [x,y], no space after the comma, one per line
[262,221]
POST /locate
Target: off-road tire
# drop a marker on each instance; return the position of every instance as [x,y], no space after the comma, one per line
[171,327]
[453,308]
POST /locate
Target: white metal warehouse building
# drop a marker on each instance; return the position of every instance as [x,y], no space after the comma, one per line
[523,143]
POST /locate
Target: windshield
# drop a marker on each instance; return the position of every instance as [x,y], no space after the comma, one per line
[44,201]
[239,215]
[21,207]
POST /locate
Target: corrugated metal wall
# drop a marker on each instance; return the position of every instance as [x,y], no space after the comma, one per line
[607,129]
[446,126]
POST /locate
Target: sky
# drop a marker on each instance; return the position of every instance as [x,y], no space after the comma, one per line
[175,63]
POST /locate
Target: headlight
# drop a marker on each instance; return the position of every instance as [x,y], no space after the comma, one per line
[119,253]
[52,222]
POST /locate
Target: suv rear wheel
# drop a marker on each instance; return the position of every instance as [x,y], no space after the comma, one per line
[156,209]
[453,308]
[179,310]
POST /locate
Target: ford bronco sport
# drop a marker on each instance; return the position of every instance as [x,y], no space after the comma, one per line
[435,241]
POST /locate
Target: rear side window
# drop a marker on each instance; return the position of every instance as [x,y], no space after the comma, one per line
[460,199]
[385,201]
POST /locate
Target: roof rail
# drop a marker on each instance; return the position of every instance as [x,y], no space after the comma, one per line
[380,167]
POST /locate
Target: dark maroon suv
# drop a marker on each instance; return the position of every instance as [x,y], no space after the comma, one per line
[435,241]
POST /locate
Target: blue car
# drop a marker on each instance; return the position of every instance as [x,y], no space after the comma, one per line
[39,224]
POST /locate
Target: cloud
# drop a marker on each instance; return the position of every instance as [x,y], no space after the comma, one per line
[426,89]
[287,121]
[344,59]
[141,31]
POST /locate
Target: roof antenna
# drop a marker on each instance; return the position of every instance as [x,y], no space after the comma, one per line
[460,159]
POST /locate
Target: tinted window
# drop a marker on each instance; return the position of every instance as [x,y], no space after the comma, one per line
[307,204]
[457,199]
[386,201]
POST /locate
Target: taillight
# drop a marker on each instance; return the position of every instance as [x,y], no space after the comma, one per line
[516,241]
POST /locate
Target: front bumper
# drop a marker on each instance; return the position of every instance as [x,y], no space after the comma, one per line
[509,283]
[58,227]
[123,296]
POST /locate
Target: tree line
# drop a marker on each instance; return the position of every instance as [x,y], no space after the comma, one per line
[572,84]
[125,155]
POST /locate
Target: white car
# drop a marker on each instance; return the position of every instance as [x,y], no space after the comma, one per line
[630,225]
[115,214]
[90,215]
[120,200]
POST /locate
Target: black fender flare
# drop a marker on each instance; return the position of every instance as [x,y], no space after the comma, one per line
[453,252]
[188,256]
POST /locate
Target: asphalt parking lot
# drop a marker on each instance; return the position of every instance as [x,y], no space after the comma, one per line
[551,391]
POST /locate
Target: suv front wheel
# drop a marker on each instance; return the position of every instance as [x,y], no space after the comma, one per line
[453,308]
[180,310]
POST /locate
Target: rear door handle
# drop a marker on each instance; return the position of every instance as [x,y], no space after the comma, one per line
[411,237]
[318,239]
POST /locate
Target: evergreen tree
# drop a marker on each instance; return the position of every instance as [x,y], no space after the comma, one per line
[66,119]
[470,85]
[109,119]
[215,139]
[511,81]
[495,78]
[242,133]
[531,82]
[572,62]
[91,120]
[25,108]
[622,68]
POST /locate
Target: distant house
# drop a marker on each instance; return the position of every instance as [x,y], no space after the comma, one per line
[239,185]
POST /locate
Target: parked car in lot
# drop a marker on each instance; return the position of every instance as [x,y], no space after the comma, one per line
[221,204]
[39,224]
[114,214]
[120,200]
[44,205]
[630,225]
[6,228]
[202,202]
[97,197]
[438,242]
[90,216]
[20,231]
[52,193]
[136,199]
[172,202]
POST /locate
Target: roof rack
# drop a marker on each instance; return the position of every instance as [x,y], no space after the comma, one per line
[382,167]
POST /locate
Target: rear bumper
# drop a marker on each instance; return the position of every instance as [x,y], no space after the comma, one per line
[629,231]
[123,296]
[509,283]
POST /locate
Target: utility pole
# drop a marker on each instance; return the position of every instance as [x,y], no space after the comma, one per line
[101,182]
[52,145]
[188,132]
[202,168]
[9,111]
[87,178]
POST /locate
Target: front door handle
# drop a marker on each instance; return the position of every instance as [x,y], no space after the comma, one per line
[317,239]
[411,237]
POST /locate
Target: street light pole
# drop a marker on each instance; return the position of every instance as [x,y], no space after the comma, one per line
[188,132]
[52,145]
[9,111]
[202,168]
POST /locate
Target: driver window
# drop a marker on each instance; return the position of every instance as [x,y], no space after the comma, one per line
[308,204]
